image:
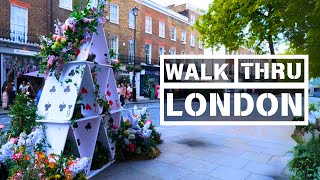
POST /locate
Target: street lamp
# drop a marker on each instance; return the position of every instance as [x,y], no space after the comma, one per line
[134,90]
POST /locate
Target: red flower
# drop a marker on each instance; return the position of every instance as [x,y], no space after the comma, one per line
[131,147]
[114,127]
[78,52]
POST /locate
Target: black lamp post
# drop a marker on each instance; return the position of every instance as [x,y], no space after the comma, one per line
[134,89]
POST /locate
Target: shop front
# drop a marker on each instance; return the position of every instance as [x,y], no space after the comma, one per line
[18,59]
[150,77]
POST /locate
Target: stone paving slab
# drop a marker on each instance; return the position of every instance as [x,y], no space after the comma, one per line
[213,153]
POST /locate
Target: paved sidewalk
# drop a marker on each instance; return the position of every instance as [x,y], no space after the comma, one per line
[213,152]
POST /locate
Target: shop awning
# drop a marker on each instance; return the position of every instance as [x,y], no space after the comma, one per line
[34,74]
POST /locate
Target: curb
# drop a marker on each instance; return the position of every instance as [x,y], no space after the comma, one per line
[143,102]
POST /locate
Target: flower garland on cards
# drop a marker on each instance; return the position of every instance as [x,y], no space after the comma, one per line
[63,46]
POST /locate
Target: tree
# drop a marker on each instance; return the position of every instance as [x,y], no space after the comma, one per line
[235,23]
[302,29]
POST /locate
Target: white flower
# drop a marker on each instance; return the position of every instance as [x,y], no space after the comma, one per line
[7,151]
[131,136]
[146,133]
[313,116]
[78,166]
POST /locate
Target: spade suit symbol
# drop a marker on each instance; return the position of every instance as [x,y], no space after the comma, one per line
[78,142]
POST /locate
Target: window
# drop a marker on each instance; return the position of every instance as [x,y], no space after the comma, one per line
[161,50]
[173,52]
[183,61]
[114,13]
[161,29]
[66,4]
[183,37]
[131,20]
[131,51]
[192,19]
[114,46]
[192,40]
[148,25]
[173,33]
[200,44]
[18,24]
[94,3]
[147,52]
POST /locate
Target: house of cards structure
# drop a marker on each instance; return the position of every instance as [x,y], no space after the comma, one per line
[80,86]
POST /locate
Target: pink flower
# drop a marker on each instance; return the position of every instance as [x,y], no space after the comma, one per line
[17,156]
[58,38]
[50,60]
[114,127]
[148,121]
[41,47]
[114,61]
[54,36]
[14,140]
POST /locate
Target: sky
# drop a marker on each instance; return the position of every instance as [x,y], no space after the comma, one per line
[201,4]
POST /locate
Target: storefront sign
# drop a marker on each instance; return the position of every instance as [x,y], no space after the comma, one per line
[24,52]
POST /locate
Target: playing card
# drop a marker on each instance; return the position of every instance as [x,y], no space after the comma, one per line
[111,93]
[85,134]
[59,96]
[88,97]
[99,47]
[57,142]
[83,51]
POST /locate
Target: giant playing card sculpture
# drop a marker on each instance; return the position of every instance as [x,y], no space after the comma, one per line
[81,83]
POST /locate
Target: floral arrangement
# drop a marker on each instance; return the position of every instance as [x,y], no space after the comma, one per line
[306,162]
[137,137]
[313,128]
[24,157]
[63,46]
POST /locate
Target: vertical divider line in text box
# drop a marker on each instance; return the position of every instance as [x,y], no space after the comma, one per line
[162,83]
[236,70]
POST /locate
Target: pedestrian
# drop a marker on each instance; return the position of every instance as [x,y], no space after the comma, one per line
[119,90]
[39,94]
[128,93]
[10,92]
[122,94]
[30,91]
[157,91]
[5,98]
[23,87]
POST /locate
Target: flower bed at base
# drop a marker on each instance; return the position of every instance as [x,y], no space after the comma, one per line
[306,161]
[137,138]
[24,157]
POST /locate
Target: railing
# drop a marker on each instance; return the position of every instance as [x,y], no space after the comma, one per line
[126,59]
[17,34]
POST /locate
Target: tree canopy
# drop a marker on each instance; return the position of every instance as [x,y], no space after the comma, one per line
[262,24]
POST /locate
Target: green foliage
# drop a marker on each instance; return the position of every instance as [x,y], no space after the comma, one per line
[302,31]
[306,161]
[235,23]
[23,115]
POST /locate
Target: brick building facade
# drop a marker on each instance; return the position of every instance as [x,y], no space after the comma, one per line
[157,17]
[21,23]
[160,30]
